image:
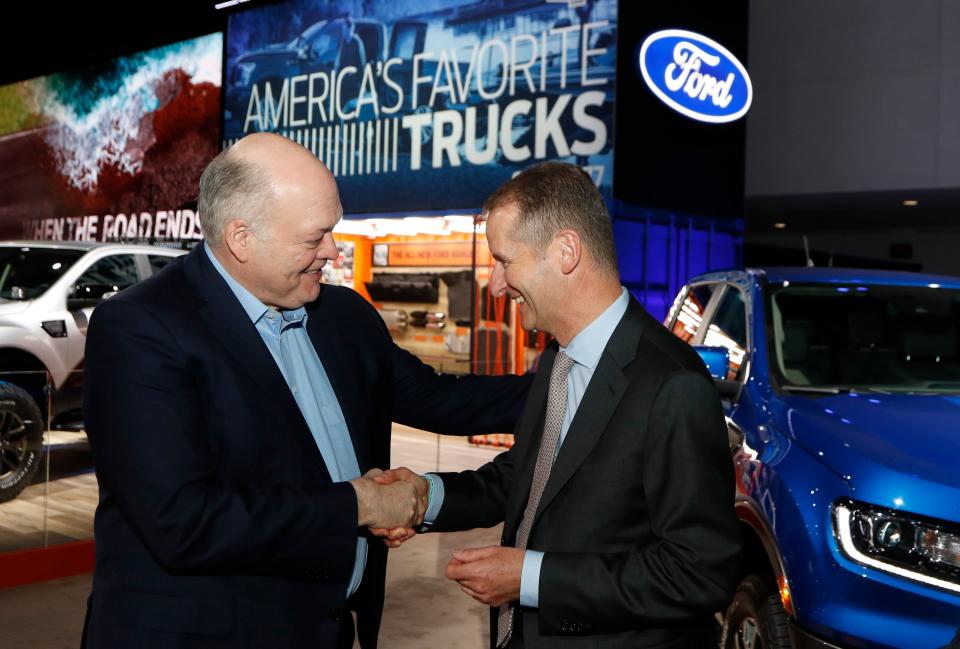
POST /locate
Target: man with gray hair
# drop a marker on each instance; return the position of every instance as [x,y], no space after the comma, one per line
[617,499]
[237,411]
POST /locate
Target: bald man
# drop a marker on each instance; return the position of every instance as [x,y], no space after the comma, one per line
[237,410]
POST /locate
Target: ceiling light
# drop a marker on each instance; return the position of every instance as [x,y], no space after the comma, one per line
[910,203]
[467,228]
[229,3]
[410,226]
[356,227]
[779,226]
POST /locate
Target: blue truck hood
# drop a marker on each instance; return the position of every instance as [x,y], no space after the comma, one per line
[897,450]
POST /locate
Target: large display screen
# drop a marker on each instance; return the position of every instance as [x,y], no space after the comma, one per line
[111,152]
[429,104]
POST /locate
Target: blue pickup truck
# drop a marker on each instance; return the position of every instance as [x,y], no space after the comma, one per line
[842,396]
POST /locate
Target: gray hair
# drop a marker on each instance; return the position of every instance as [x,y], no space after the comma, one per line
[553,196]
[231,187]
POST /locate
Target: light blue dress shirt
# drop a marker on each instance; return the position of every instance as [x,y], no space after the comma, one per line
[585,350]
[285,335]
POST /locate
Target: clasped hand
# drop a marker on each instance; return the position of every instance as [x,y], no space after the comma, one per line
[490,575]
[391,503]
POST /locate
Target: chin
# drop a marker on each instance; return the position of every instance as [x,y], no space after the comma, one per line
[312,292]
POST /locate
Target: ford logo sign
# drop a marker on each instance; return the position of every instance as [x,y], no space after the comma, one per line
[695,76]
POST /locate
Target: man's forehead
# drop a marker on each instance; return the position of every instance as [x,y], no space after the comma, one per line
[502,244]
[321,218]
[505,209]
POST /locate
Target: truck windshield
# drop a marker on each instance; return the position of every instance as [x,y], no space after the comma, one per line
[887,338]
[322,38]
[26,272]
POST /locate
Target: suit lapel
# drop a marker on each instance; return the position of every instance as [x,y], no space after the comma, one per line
[599,402]
[330,347]
[228,324]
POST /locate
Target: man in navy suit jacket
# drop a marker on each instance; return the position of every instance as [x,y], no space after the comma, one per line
[233,404]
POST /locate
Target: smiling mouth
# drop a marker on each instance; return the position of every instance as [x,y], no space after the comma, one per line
[315,271]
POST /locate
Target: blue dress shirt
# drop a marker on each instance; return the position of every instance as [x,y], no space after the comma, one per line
[285,335]
[585,350]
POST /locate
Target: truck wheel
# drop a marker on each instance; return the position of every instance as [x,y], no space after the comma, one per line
[755,618]
[21,440]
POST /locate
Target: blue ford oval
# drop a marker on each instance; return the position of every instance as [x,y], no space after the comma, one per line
[695,76]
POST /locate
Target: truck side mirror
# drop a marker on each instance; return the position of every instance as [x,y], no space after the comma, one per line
[715,358]
[717,361]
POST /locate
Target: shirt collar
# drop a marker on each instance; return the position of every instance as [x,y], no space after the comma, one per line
[254,308]
[588,345]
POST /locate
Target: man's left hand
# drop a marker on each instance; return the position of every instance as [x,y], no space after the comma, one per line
[490,575]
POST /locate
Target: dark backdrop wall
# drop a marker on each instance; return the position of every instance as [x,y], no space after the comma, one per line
[856,110]
[664,160]
[854,96]
[678,183]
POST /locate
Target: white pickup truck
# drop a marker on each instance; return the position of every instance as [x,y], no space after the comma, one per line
[47,293]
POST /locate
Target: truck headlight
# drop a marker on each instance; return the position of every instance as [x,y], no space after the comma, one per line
[911,546]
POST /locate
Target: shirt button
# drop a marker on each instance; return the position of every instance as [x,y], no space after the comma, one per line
[271,315]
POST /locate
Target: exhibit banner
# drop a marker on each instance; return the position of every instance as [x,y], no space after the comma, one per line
[111,152]
[430,104]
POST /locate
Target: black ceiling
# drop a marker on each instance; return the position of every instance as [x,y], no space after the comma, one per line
[46,37]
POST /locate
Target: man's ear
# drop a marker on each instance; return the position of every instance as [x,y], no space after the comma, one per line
[239,239]
[569,249]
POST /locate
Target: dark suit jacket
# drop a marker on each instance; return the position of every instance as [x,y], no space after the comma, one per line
[637,518]
[218,523]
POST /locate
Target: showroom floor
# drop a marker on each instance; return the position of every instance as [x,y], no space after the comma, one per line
[58,511]
[50,614]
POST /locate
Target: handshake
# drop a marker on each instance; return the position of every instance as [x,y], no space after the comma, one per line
[391,503]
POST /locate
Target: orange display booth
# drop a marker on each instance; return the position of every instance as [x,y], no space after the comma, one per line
[429,278]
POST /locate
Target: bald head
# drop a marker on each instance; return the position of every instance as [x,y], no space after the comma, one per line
[247,179]
[268,208]
[278,156]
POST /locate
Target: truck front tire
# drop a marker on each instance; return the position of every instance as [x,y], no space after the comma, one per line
[755,618]
[21,440]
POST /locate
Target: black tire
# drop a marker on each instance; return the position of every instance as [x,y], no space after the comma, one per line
[21,440]
[756,619]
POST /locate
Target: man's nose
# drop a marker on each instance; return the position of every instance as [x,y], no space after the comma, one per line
[498,282]
[328,248]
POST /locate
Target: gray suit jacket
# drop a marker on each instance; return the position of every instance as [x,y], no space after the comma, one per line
[637,519]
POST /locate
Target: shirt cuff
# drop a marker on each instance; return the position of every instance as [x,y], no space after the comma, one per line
[530,579]
[436,498]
